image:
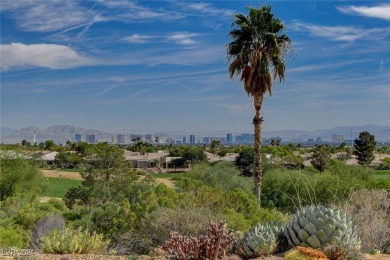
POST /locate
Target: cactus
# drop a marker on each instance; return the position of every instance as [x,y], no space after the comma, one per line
[318,226]
[214,244]
[260,240]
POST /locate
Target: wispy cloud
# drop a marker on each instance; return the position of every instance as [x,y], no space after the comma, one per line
[379,11]
[340,33]
[207,8]
[130,11]
[65,16]
[183,38]
[321,67]
[51,56]
[47,16]
[136,38]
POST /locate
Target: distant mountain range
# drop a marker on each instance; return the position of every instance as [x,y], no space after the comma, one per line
[57,133]
[63,133]
[382,133]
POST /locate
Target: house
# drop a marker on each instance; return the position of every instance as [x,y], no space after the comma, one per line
[148,160]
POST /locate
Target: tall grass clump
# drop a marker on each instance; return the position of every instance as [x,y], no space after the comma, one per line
[69,241]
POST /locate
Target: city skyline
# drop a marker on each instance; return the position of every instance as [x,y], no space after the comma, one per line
[160,66]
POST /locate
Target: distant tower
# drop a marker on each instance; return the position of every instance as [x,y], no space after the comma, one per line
[77,138]
[192,139]
[229,138]
[35,139]
[112,139]
[121,139]
[90,138]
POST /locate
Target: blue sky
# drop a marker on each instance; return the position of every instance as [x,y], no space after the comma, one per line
[160,66]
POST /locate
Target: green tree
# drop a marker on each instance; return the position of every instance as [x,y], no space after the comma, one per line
[244,161]
[50,145]
[257,50]
[364,148]
[194,155]
[215,146]
[104,160]
[320,158]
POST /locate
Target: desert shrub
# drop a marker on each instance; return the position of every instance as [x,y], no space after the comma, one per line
[28,215]
[19,175]
[10,238]
[225,176]
[385,164]
[110,219]
[214,244]
[71,241]
[343,170]
[158,225]
[287,190]
[371,214]
[22,211]
[291,190]
[43,227]
[341,252]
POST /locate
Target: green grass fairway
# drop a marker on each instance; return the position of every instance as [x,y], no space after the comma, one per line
[58,187]
[382,175]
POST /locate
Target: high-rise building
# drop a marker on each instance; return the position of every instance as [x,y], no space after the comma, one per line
[77,138]
[192,139]
[245,139]
[90,138]
[185,139]
[229,138]
[121,139]
[149,138]
[206,140]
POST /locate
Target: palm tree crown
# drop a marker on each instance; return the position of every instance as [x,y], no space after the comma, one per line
[258,45]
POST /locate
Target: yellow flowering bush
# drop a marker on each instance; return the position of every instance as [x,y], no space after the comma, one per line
[71,241]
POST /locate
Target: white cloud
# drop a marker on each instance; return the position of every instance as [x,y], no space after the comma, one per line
[64,16]
[379,11]
[183,38]
[47,16]
[51,56]
[136,38]
[131,11]
[207,8]
[340,33]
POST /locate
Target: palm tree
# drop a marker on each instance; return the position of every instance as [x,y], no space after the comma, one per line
[257,50]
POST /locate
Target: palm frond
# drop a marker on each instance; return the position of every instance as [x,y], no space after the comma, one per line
[257,49]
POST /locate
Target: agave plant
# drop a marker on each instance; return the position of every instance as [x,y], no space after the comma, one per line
[318,226]
[260,240]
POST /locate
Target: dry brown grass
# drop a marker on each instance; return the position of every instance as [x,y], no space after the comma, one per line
[62,174]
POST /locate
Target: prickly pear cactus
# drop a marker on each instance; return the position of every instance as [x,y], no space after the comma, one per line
[260,240]
[318,226]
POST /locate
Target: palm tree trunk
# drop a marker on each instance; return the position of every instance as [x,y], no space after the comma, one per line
[257,120]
